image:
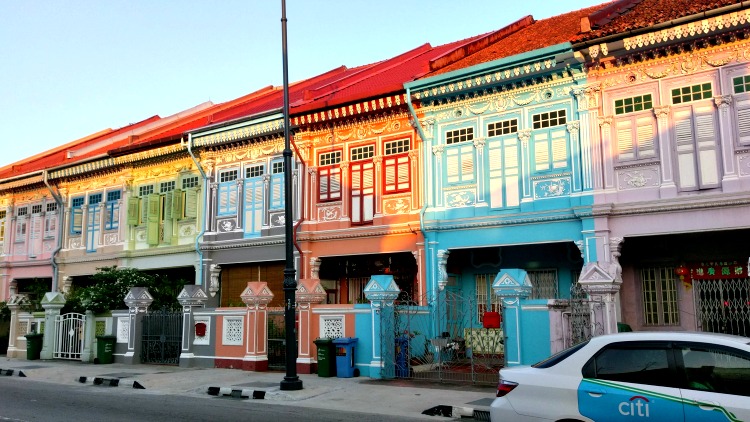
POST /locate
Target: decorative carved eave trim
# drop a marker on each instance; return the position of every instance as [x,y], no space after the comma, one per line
[233,152]
[32,180]
[350,110]
[98,257]
[707,26]
[110,163]
[238,133]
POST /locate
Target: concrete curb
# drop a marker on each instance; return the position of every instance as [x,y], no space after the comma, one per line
[108,382]
[10,372]
[236,393]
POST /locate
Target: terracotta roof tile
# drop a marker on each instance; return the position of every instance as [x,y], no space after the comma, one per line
[638,14]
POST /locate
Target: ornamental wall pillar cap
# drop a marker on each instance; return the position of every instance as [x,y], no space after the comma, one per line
[256,293]
[192,295]
[138,299]
[512,282]
[18,300]
[309,290]
[596,280]
[382,289]
[53,300]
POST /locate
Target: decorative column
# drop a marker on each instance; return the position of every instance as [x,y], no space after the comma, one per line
[52,302]
[524,136]
[602,283]
[309,292]
[256,296]
[442,263]
[14,304]
[511,286]
[191,296]
[608,166]
[138,300]
[214,273]
[382,291]
[667,188]
[730,180]
[89,328]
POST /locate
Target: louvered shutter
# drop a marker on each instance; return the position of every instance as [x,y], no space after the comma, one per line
[277,191]
[646,136]
[152,219]
[683,129]
[706,142]
[496,173]
[191,203]
[177,207]
[625,146]
[452,165]
[144,209]
[76,220]
[743,119]
[168,204]
[559,149]
[541,151]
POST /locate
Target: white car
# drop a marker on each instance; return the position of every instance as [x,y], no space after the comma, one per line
[641,376]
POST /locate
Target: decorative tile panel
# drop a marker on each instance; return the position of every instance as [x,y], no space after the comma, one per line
[329,213]
[460,198]
[332,326]
[232,331]
[552,188]
[396,206]
[227,225]
[123,329]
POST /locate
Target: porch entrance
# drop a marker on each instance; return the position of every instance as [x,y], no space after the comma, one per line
[440,339]
[161,337]
[69,342]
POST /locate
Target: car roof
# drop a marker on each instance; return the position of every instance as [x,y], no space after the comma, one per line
[704,337]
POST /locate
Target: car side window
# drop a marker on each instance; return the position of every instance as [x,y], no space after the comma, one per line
[640,364]
[716,369]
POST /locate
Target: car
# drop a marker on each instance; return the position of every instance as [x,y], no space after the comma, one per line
[637,376]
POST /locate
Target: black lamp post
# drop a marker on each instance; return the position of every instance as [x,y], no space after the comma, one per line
[291,381]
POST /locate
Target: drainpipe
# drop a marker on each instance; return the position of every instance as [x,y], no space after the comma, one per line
[301,195]
[205,206]
[60,225]
[423,209]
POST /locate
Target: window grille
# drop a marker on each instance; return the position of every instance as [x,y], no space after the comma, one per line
[36,209]
[548,119]
[190,182]
[660,296]
[633,104]
[487,301]
[23,211]
[544,284]
[95,198]
[145,190]
[363,153]
[329,158]
[396,147]
[277,167]
[504,127]
[167,186]
[357,289]
[51,206]
[254,171]
[227,176]
[459,135]
[691,93]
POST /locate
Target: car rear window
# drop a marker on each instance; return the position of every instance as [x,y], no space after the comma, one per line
[559,356]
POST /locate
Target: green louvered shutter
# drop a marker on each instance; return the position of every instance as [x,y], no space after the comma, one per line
[168,215]
[133,211]
[152,228]
[177,204]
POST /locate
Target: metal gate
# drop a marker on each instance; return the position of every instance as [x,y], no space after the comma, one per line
[584,320]
[276,340]
[723,305]
[161,337]
[69,341]
[437,340]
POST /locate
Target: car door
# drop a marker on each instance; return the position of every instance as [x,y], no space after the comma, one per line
[716,382]
[630,381]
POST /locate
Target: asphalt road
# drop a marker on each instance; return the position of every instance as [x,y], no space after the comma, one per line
[23,400]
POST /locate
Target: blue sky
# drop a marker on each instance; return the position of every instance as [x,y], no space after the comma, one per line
[74,67]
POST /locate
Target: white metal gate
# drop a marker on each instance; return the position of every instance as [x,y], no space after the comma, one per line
[69,341]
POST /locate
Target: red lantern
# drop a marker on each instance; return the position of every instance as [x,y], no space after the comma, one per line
[681,271]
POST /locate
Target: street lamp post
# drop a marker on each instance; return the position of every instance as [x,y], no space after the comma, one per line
[291,381]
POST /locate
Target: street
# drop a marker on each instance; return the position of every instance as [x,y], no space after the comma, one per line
[22,399]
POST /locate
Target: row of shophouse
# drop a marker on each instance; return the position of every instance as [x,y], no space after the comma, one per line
[575,175]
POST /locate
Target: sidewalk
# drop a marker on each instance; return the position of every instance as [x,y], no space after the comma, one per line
[402,397]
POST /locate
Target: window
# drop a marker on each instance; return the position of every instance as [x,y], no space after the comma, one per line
[741,84]
[504,127]
[396,165]
[640,363]
[635,137]
[716,369]
[329,176]
[544,284]
[363,191]
[51,206]
[550,150]
[145,190]
[460,164]
[20,212]
[95,198]
[254,171]
[487,301]
[2,226]
[76,215]
[547,119]
[190,182]
[696,142]
[633,104]
[659,296]
[459,135]
[36,209]
[112,210]
[227,193]
[691,93]
[363,153]
[167,186]
[277,184]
